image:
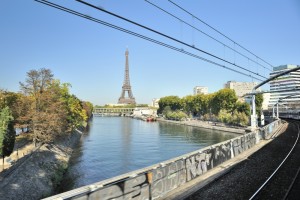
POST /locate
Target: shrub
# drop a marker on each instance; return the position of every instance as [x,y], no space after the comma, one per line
[224,116]
[176,115]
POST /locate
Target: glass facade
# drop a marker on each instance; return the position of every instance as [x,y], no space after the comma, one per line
[289,81]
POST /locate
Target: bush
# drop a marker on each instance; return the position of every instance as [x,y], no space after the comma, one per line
[176,115]
[209,117]
[237,118]
[225,117]
[243,119]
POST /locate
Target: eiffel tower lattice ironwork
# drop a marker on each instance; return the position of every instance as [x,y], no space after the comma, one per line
[126,85]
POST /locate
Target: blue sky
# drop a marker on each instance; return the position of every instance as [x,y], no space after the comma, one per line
[92,57]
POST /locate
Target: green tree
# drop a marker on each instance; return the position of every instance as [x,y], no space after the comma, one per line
[223,99]
[47,112]
[188,104]
[88,107]
[258,103]
[176,115]
[198,104]
[76,114]
[243,107]
[19,105]
[174,102]
[7,133]
[202,103]
[166,110]
[9,99]
[240,118]
[36,82]
[224,116]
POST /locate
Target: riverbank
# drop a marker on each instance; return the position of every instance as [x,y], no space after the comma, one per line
[207,125]
[159,180]
[36,175]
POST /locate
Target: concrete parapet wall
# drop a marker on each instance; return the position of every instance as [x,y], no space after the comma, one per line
[267,131]
[156,181]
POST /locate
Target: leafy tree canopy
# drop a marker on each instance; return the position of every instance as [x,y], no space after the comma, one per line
[7,134]
[224,99]
[174,102]
[258,103]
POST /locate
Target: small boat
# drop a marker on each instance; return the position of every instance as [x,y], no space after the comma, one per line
[150,119]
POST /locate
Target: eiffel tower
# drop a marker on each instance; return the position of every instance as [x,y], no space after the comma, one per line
[126,86]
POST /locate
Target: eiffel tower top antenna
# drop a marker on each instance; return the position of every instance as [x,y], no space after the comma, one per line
[126,85]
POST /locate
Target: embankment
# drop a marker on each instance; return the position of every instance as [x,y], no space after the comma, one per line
[157,181]
[207,125]
[38,174]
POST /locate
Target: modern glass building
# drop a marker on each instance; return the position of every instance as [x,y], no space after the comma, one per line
[289,81]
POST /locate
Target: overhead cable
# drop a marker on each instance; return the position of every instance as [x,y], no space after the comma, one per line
[206,34]
[167,36]
[219,32]
[139,35]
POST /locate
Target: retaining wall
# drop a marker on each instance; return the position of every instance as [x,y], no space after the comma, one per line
[266,131]
[156,181]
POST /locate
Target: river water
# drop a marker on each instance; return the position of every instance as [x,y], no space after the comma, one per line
[116,145]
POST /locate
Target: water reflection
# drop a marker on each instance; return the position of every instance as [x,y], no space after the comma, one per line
[126,143]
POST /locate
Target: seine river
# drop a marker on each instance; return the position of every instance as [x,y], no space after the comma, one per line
[116,145]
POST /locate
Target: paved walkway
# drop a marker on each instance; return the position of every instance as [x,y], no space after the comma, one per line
[16,155]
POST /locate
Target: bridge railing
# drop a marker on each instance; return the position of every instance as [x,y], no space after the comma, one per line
[156,181]
[112,111]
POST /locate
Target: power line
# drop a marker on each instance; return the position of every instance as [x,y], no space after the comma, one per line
[167,36]
[181,20]
[138,35]
[219,32]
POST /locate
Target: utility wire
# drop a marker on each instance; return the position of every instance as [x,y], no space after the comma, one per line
[206,34]
[167,36]
[219,32]
[138,35]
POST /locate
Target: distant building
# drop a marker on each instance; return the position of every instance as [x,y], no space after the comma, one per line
[138,112]
[154,103]
[200,90]
[287,82]
[240,88]
[266,101]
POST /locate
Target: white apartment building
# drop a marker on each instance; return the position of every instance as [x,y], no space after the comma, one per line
[265,104]
[289,81]
[200,90]
[154,103]
[240,88]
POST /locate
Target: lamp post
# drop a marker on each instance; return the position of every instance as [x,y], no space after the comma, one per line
[253,116]
[277,112]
